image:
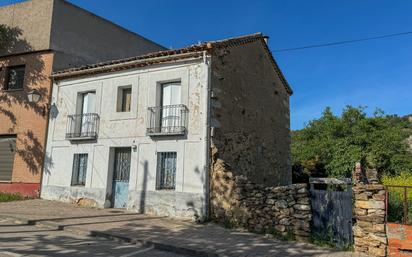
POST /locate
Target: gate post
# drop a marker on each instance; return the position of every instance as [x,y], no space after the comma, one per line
[369,228]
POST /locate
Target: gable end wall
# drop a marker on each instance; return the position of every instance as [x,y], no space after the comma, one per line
[250,115]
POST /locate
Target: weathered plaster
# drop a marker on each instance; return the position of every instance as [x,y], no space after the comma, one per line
[127,129]
[96,197]
[164,203]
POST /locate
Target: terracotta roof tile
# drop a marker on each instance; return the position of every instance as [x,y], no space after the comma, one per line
[167,56]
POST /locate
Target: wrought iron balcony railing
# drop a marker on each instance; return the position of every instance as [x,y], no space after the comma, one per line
[167,120]
[82,126]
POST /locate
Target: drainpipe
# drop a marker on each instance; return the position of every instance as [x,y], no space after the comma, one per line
[206,136]
[46,134]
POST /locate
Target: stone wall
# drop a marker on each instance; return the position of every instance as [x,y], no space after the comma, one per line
[250,114]
[236,201]
[369,212]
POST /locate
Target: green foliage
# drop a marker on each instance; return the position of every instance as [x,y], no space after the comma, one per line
[8,197]
[10,38]
[328,243]
[331,145]
[396,197]
[3,36]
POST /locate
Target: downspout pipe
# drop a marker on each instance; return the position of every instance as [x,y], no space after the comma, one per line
[46,134]
[206,135]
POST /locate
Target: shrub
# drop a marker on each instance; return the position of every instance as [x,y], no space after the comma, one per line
[8,197]
[396,196]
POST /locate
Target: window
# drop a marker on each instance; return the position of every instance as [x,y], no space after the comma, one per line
[170,112]
[15,77]
[166,171]
[171,93]
[79,169]
[124,99]
[7,151]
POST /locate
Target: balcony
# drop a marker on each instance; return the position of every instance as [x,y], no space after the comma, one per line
[82,126]
[167,120]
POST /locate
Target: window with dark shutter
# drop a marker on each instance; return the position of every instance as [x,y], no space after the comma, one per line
[79,169]
[15,77]
[7,151]
[166,171]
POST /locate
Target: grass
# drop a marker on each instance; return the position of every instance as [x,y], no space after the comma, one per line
[327,242]
[8,197]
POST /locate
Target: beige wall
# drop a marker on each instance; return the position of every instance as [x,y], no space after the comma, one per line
[250,114]
[26,120]
[80,37]
[30,22]
[77,36]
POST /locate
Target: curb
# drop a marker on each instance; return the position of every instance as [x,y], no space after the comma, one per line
[112,237]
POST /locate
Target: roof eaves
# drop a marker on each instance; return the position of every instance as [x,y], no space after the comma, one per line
[96,69]
[277,69]
[169,56]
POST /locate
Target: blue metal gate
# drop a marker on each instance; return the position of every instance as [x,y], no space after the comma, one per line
[122,157]
[331,201]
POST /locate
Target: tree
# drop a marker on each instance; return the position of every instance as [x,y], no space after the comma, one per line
[11,39]
[3,36]
[331,145]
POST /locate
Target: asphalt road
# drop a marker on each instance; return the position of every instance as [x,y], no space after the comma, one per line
[22,240]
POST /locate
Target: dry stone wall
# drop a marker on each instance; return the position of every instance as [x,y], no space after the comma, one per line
[369,212]
[236,201]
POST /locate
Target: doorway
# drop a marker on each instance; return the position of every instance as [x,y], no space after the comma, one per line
[170,112]
[88,108]
[121,173]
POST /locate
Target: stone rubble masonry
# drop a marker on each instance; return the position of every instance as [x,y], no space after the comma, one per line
[236,201]
[369,211]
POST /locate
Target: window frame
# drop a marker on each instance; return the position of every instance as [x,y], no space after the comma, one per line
[75,181]
[12,140]
[7,78]
[160,185]
[120,103]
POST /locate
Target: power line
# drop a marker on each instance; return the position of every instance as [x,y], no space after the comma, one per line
[342,42]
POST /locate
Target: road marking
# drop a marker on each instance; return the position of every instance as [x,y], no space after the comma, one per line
[137,252]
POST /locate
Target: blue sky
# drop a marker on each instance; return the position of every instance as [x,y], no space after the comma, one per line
[375,73]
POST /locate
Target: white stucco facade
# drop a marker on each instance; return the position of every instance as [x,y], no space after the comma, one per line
[128,129]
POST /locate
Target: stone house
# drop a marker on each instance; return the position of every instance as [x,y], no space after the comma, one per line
[45,36]
[145,133]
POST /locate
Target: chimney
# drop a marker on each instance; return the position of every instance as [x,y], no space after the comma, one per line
[266,38]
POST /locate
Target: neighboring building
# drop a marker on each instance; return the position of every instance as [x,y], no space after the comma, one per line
[46,35]
[139,133]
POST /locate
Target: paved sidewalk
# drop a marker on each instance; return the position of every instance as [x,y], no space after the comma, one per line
[17,240]
[162,232]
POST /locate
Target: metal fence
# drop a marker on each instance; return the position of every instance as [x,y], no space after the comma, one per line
[82,126]
[399,204]
[167,120]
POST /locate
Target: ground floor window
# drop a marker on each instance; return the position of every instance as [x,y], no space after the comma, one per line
[7,151]
[79,169]
[166,171]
